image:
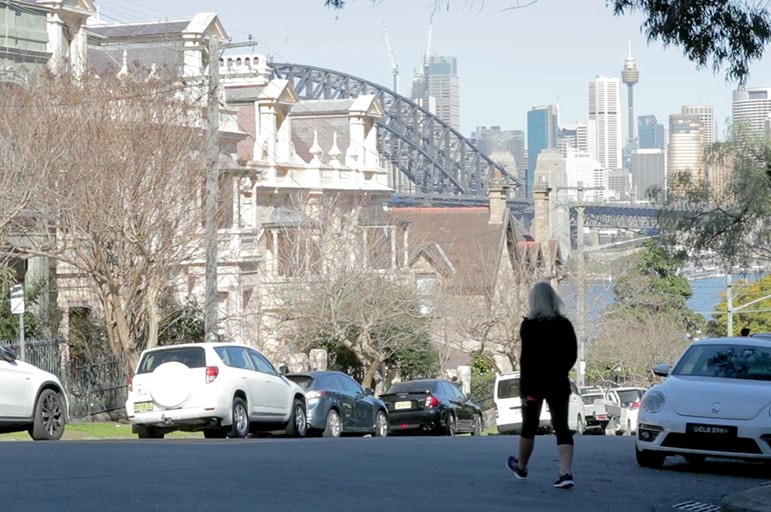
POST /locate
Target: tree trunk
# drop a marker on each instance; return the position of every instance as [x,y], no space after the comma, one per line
[153,314]
[369,375]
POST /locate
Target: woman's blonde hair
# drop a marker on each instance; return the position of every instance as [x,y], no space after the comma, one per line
[544,301]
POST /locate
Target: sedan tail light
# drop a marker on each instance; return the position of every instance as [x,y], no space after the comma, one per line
[636,404]
[312,395]
[211,373]
[431,401]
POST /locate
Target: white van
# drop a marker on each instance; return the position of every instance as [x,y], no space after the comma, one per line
[508,407]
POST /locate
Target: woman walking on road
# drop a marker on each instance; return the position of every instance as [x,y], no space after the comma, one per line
[549,351]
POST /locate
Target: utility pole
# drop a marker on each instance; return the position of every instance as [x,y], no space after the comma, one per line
[212,189]
[729,302]
[211,305]
[581,300]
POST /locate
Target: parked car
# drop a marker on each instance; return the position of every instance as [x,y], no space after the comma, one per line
[30,399]
[508,407]
[338,405]
[604,413]
[630,400]
[222,389]
[715,402]
[431,406]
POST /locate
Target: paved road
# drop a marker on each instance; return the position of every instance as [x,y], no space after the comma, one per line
[392,474]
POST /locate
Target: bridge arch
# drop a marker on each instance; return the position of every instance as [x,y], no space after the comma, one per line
[437,159]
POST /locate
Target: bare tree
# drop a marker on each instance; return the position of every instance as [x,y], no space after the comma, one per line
[31,147]
[345,286]
[123,198]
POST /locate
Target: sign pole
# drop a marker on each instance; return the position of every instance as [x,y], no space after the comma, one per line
[17,308]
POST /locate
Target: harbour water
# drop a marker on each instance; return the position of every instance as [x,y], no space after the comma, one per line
[706,295]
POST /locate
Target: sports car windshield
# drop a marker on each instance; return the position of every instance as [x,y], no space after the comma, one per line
[726,361]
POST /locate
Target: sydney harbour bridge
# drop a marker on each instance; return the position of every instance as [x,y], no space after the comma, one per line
[437,165]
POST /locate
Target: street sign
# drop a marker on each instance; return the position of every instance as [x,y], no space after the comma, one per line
[17,299]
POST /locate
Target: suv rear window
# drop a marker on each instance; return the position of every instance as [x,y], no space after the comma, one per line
[417,386]
[508,388]
[192,357]
[304,381]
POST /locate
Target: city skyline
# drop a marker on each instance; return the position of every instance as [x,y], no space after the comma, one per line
[505,63]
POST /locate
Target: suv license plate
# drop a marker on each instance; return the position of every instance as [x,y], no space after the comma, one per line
[711,430]
[143,407]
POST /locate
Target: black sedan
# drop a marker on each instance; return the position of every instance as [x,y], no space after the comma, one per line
[338,405]
[431,406]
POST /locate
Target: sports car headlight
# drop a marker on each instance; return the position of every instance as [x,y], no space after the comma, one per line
[654,401]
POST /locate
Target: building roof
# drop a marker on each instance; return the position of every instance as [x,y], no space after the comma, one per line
[315,107]
[139,30]
[464,236]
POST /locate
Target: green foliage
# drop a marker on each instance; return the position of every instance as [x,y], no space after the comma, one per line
[482,380]
[717,32]
[180,323]
[757,316]
[416,358]
[9,323]
[731,221]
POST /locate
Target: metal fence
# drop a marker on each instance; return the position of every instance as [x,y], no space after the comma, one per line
[94,387]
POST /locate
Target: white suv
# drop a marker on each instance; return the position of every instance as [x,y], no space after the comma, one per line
[30,399]
[222,389]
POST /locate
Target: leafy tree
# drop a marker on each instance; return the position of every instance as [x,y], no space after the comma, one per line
[730,219]
[730,33]
[648,323]
[9,323]
[757,316]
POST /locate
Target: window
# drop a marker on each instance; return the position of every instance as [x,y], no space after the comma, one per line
[416,386]
[235,357]
[261,363]
[508,388]
[192,357]
[726,361]
[349,385]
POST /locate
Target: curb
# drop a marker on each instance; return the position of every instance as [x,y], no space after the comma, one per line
[757,499]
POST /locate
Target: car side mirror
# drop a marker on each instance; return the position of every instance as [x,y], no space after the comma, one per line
[662,370]
[7,354]
[283,369]
[369,392]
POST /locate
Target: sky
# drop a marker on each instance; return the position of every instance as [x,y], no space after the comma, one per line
[508,60]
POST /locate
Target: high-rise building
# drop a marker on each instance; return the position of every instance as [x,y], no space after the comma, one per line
[493,139]
[567,138]
[707,115]
[542,133]
[630,76]
[586,137]
[752,112]
[583,171]
[651,133]
[550,169]
[648,169]
[619,184]
[686,148]
[604,107]
[439,80]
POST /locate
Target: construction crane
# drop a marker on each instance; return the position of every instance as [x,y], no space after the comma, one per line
[394,64]
[427,55]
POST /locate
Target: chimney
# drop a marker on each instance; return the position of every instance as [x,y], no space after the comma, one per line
[497,193]
[541,226]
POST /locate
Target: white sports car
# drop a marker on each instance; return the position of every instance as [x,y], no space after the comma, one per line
[715,402]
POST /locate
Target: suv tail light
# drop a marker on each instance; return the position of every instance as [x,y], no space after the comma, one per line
[495,406]
[211,373]
[636,404]
[131,384]
[431,401]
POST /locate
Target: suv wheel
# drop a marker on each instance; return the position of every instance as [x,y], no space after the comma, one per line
[240,418]
[298,420]
[48,422]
